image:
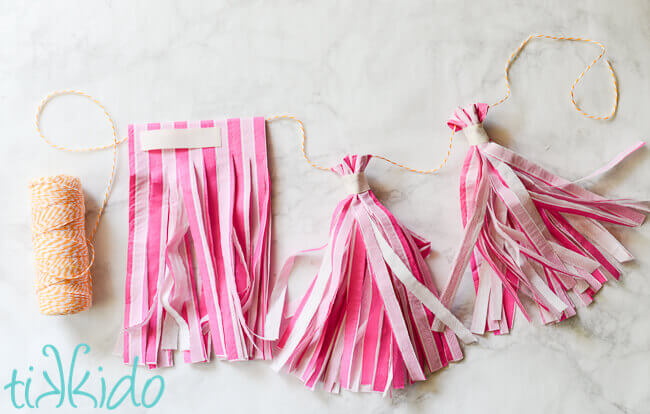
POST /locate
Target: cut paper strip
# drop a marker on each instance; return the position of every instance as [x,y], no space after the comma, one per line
[206,209]
[364,323]
[529,232]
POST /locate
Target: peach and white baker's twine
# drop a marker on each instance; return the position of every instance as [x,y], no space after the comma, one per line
[63,254]
[517,51]
[303,149]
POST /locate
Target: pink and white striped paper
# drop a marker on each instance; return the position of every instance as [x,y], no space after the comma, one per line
[529,232]
[364,323]
[206,209]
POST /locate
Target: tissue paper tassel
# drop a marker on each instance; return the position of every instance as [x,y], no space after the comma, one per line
[206,208]
[364,323]
[530,233]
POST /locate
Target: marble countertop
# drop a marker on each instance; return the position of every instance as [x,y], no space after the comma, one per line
[366,76]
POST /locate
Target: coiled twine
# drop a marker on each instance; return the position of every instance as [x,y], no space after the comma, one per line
[62,253]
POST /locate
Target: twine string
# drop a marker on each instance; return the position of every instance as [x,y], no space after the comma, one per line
[577,107]
[114,144]
[303,139]
[63,255]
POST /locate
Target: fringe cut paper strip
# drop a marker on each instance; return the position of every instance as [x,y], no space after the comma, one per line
[364,323]
[529,233]
[199,198]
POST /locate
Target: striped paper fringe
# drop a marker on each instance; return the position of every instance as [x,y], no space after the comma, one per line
[198,249]
[364,323]
[529,233]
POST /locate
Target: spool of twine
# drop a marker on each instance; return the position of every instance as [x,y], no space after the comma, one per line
[62,253]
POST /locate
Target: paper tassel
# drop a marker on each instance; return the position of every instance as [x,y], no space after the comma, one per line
[204,208]
[530,233]
[364,323]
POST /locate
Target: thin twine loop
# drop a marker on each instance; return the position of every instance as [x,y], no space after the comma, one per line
[303,149]
[114,144]
[577,107]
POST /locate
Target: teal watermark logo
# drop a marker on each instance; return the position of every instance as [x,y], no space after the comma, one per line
[71,388]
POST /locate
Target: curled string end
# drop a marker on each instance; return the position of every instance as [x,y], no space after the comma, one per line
[517,51]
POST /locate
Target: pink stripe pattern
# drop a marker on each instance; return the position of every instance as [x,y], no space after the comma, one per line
[197,277]
[358,327]
[529,233]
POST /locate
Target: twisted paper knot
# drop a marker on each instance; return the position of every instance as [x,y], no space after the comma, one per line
[469,119]
[351,170]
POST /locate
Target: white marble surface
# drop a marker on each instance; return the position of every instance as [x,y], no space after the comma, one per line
[365,76]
